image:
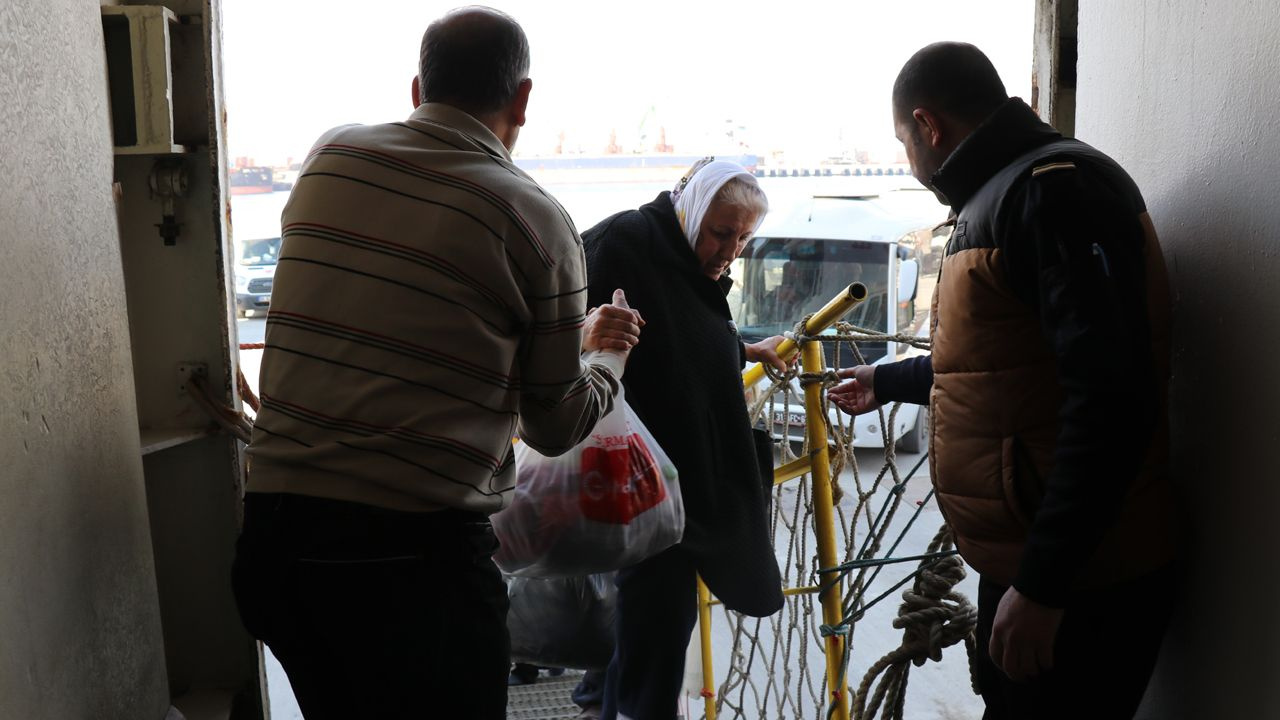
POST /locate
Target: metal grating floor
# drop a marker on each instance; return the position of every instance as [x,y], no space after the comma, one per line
[546,699]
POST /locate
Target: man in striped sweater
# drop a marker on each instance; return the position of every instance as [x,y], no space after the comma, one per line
[429,304]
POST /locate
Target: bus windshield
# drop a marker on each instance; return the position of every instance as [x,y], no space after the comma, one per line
[260,252]
[780,280]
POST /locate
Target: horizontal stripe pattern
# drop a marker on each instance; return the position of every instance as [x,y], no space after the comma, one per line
[446,179]
[397,379]
[428,302]
[403,348]
[396,250]
[389,280]
[508,167]
[364,428]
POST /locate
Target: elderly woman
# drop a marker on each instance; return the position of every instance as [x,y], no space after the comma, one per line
[672,257]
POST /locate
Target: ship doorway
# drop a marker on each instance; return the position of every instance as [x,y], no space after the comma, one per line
[623,102]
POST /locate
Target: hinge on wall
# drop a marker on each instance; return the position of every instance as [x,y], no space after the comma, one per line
[168,182]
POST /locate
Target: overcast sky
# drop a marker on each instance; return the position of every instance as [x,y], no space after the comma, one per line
[808,78]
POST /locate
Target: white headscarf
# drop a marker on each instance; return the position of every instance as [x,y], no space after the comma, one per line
[695,191]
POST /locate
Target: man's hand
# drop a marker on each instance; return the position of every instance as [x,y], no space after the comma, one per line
[612,327]
[766,351]
[1023,635]
[857,395]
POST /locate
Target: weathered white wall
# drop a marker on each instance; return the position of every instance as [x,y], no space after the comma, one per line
[1184,94]
[79,623]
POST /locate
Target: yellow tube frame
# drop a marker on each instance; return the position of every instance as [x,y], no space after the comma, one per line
[704,627]
[835,309]
[818,466]
[824,522]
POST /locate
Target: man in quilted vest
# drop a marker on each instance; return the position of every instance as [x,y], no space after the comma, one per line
[1047,391]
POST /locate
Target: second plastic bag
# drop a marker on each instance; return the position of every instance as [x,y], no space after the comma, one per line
[611,501]
[562,622]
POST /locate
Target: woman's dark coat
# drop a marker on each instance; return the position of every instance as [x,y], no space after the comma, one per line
[684,380]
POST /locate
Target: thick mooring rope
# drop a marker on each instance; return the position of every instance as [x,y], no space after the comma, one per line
[933,616]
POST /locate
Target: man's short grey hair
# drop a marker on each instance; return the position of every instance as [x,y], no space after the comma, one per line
[473,58]
[744,193]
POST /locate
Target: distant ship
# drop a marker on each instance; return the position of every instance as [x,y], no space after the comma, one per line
[261,179]
[622,160]
[669,167]
[622,167]
[252,180]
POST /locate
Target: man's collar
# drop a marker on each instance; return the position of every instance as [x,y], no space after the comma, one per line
[1008,133]
[463,122]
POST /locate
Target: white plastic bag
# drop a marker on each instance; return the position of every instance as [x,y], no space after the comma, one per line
[611,501]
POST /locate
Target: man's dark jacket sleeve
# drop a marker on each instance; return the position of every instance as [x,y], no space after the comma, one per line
[906,381]
[1080,262]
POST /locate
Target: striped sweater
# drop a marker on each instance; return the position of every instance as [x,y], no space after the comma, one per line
[428,305]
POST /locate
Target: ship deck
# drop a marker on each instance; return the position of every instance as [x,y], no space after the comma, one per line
[546,699]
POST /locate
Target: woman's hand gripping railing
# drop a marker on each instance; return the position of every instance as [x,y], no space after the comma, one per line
[824,318]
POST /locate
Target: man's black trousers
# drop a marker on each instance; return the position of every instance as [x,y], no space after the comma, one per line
[1105,652]
[376,613]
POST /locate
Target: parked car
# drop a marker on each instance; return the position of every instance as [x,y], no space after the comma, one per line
[255,272]
[804,256]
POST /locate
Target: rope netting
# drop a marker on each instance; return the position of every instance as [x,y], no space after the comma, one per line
[776,667]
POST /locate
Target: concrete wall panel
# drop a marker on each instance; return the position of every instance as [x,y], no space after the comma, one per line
[79,624]
[1182,92]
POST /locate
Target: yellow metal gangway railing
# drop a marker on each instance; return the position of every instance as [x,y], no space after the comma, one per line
[817,464]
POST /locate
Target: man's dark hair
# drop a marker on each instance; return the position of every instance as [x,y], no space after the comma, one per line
[949,78]
[474,59]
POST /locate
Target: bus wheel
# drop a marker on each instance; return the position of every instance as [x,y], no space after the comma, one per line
[917,438]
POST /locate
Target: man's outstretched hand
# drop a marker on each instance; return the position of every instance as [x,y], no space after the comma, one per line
[857,395]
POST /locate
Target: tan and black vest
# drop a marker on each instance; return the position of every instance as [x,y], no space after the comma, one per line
[996,394]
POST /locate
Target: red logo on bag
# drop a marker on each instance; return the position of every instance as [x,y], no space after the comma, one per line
[619,481]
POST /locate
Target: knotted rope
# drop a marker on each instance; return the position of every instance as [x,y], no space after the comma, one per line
[237,424]
[933,616]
